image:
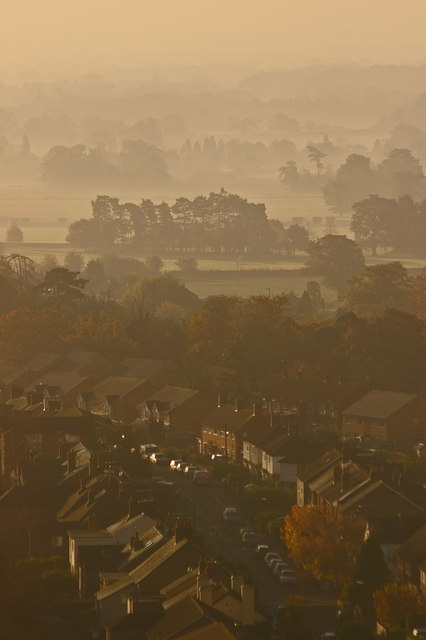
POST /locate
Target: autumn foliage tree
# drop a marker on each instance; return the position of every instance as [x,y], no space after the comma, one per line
[96,331]
[25,332]
[323,543]
[395,604]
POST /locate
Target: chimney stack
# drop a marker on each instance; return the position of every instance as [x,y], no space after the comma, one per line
[247,601]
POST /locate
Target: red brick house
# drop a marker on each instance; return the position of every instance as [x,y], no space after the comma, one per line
[386,415]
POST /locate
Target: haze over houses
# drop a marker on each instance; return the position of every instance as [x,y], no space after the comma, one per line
[72,429]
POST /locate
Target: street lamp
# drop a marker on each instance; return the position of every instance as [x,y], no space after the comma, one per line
[226,444]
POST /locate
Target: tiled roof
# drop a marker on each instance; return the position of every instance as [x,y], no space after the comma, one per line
[320,464]
[9,374]
[379,500]
[173,395]
[225,417]
[118,386]
[295,390]
[413,550]
[182,552]
[287,448]
[63,380]
[143,367]
[333,491]
[41,361]
[379,404]
[211,631]
[176,619]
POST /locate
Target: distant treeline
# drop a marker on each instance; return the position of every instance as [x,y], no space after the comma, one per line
[220,223]
[399,174]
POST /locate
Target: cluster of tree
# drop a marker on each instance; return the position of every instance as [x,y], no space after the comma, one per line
[253,337]
[137,163]
[384,222]
[224,344]
[378,286]
[331,548]
[399,174]
[37,590]
[211,155]
[220,223]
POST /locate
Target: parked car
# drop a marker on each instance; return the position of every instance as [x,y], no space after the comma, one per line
[245,529]
[271,554]
[174,464]
[288,576]
[189,471]
[419,633]
[181,466]
[249,539]
[273,562]
[231,515]
[278,567]
[201,476]
[262,549]
[217,457]
[158,458]
[147,449]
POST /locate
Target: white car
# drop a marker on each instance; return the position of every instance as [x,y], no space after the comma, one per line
[274,561]
[278,567]
[271,554]
[288,576]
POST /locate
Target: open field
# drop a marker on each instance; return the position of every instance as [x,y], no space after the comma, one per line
[250,283]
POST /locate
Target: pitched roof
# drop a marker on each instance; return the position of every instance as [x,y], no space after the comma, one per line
[225,417]
[10,374]
[413,550]
[42,361]
[379,500]
[320,464]
[211,631]
[143,367]
[294,390]
[335,491]
[163,566]
[379,404]
[178,618]
[289,448]
[173,395]
[62,380]
[118,386]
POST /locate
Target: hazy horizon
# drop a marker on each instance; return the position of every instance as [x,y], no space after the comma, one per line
[47,41]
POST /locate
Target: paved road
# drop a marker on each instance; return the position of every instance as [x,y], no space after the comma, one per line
[222,540]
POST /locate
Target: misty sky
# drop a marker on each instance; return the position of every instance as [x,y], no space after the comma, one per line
[42,37]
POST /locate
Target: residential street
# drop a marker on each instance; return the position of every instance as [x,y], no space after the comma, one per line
[222,540]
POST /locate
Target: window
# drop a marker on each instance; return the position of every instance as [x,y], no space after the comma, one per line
[348,419]
[222,433]
[369,422]
[360,420]
[381,423]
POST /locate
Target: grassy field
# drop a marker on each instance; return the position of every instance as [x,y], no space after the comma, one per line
[250,283]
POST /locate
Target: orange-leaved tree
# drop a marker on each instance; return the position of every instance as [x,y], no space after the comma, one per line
[323,543]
